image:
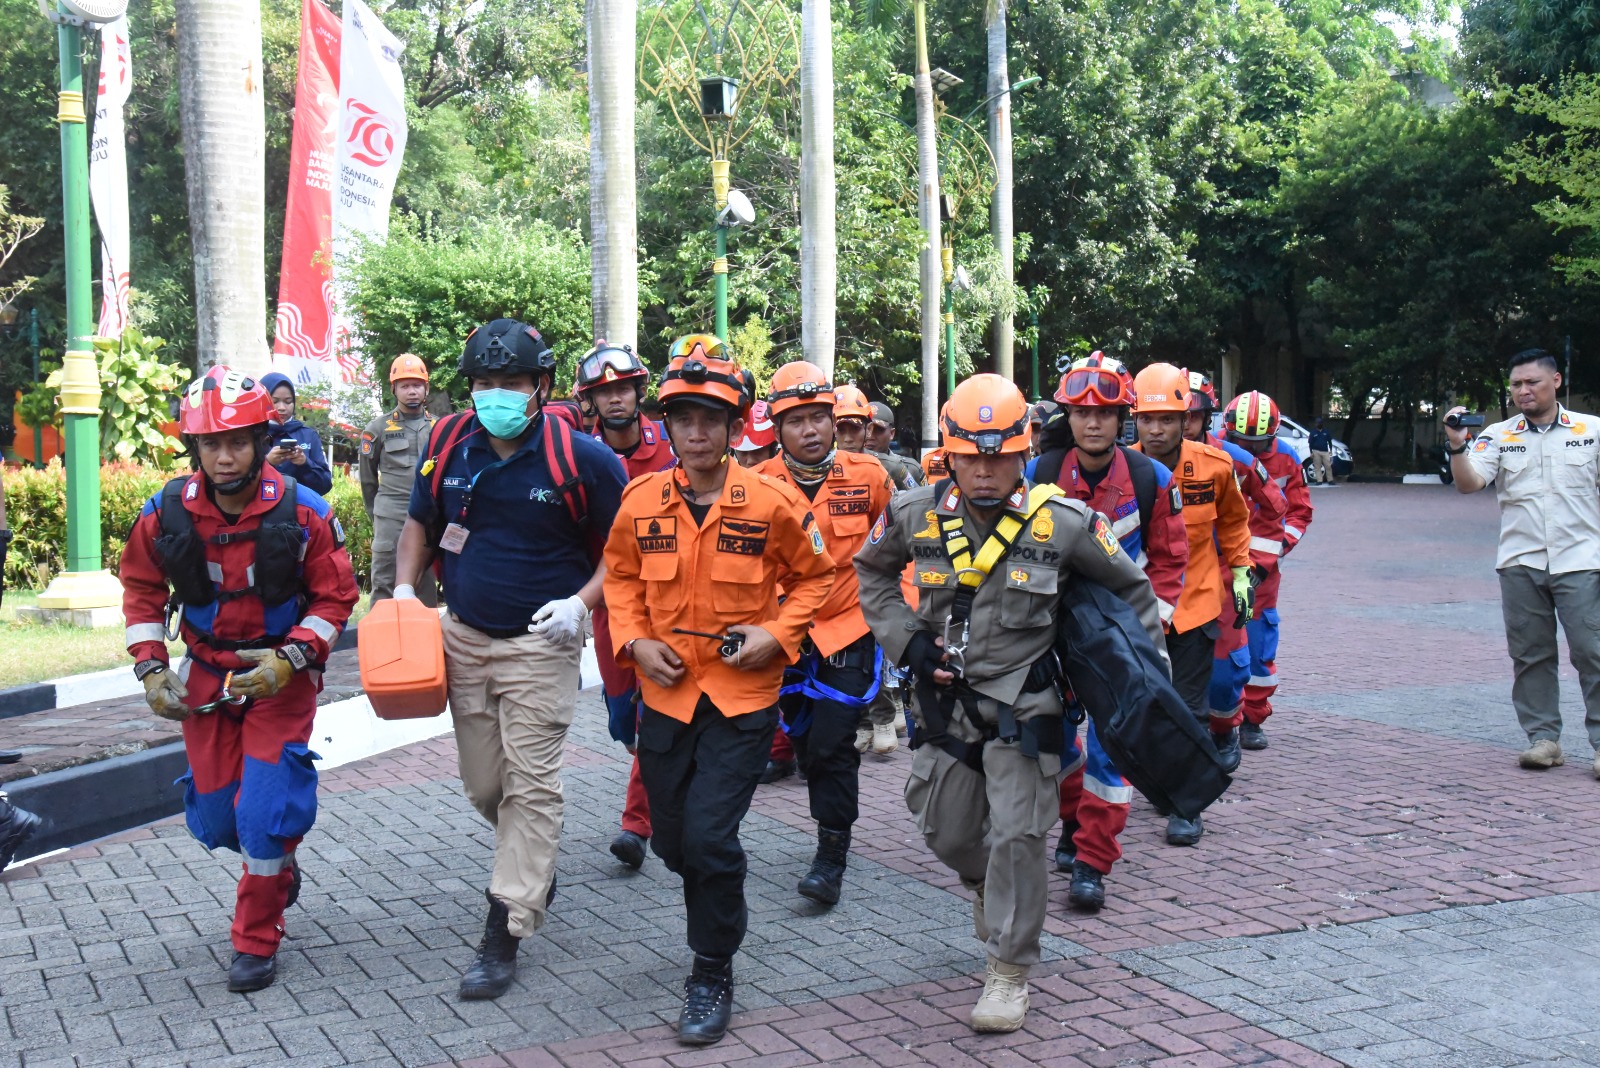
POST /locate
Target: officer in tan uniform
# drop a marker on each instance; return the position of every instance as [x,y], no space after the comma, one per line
[391,447]
[989,555]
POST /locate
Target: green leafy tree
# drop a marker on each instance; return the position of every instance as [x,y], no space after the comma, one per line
[1567,160]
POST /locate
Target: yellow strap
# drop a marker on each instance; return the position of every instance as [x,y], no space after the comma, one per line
[971,572]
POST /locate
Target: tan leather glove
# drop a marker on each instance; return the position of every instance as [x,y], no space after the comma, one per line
[272,673]
[164,693]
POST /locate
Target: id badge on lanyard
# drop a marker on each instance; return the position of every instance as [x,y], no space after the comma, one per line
[455,534]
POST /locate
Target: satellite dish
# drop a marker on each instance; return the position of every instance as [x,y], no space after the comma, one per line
[95,10]
[963,281]
[739,212]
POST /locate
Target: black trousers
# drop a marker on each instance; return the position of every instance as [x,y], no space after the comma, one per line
[1191,653]
[700,777]
[826,749]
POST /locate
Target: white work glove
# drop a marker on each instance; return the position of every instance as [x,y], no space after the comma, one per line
[561,622]
[405,593]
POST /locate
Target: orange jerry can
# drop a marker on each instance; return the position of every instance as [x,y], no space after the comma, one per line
[401,649]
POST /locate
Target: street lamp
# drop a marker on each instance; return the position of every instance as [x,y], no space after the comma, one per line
[762,56]
[85,592]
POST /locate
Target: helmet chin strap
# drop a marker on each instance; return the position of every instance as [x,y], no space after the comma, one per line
[234,485]
[995,502]
[1097,453]
[619,424]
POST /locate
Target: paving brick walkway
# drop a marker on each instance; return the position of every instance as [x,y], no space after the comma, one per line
[1381,887]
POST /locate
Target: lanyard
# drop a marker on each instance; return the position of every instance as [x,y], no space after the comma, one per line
[466,500]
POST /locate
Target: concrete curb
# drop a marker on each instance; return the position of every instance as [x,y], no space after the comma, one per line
[89,801]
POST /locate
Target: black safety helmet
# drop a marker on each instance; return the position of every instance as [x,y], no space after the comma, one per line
[506,345]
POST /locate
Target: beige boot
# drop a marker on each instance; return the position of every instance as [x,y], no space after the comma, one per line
[980,923]
[884,741]
[863,739]
[1542,754]
[1005,998]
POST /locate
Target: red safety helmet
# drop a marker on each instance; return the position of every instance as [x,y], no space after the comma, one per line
[759,432]
[1096,381]
[988,415]
[1252,416]
[605,364]
[223,399]
[1202,394]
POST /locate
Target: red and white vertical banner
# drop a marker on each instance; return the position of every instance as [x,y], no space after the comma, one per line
[302,345]
[108,175]
[371,144]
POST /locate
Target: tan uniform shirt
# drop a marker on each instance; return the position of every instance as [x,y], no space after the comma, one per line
[1014,610]
[391,448]
[1548,483]
[904,474]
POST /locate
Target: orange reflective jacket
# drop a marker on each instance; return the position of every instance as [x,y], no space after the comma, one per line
[1217,520]
[665,571]
[848,502]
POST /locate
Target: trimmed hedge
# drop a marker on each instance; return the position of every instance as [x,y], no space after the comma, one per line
[36,513]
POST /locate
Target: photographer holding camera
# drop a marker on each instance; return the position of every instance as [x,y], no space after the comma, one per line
[1545,464]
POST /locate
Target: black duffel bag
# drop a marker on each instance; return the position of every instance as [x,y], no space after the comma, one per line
[1142,723]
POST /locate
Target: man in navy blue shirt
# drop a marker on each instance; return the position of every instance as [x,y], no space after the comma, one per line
[1322,454]
[517,506]
[296,448]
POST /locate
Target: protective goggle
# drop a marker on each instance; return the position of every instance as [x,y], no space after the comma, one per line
[1092,386]
[608,365]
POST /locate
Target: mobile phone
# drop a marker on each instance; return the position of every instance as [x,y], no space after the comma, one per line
[289,443]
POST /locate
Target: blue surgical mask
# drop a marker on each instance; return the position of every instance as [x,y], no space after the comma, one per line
[503,412]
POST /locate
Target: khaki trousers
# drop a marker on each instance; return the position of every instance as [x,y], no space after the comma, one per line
[1322,466]
[1530,601]
[385,537]
[512,700]
[991,830]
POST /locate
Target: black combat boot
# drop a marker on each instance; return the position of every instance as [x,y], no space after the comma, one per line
[822,883]
[1182,832]
[1252,737]
[494,967]
[1227,745]
[1066,849]
[251,972]
[629,848]
[777,771]
[16,826]
[1087,890]
[707,1001]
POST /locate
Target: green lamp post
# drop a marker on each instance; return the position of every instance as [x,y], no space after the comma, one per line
[86,593]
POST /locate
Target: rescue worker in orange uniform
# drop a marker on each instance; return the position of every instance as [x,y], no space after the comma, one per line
[840,669]
[702,550]
[1123,485]
[1216,517]
[257,565]
[1230,665]
[609,387]
[1251,422]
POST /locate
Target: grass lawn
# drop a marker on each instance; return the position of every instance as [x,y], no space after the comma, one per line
[30,652]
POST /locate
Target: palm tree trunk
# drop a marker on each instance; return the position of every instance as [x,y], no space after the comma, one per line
[818,248]
[1000,143]
[224,146]
[613,217]
[928,215]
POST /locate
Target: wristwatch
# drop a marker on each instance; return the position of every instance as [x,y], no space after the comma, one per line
[1448,451]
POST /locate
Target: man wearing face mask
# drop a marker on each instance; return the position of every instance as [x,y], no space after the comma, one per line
[516,506]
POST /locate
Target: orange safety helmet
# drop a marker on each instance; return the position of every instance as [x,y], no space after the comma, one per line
[701,374]
[407,366]
[758,430]
[796,384]
[1251,416]
[850,403]
[1161,387]
[987,414]
[1096,381]
[223,399]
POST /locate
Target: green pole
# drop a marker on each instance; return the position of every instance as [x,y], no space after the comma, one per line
[1033,318]
[33,343]
[949,338]
[83,586]
[720,274]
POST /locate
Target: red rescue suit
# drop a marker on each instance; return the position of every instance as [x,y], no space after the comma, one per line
[251,785]
[1230,669]
[620,685]
[1285,470]
[1095,798]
